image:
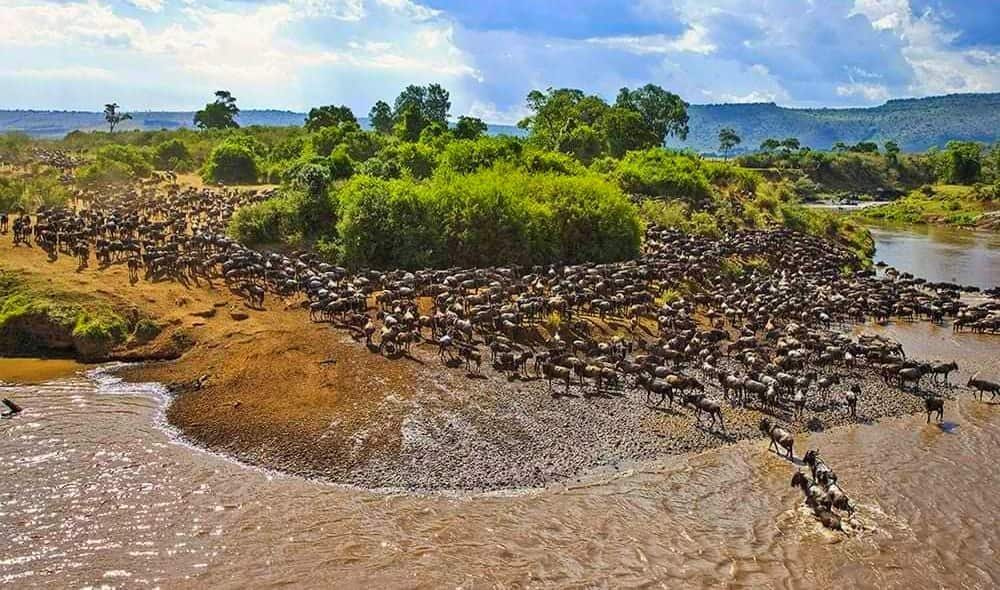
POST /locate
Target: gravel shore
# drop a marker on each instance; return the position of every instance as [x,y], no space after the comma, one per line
[460,432]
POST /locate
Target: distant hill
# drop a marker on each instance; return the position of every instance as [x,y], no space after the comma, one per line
[915,124]
[56,124]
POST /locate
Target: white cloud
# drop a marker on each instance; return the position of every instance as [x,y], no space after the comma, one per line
[693,40]
[67,73]
[938,67]
[150,5]
[488,111]
[45,23]
[870,92]
[249,48]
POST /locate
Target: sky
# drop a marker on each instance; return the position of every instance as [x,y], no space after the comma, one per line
[295,54]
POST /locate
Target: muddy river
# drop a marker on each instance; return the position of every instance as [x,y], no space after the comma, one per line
[939,253]
[96,491]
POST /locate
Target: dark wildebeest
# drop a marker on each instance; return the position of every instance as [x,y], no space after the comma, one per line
[852,400]
[934,405]
[982,385]
[779,436]
[943,369]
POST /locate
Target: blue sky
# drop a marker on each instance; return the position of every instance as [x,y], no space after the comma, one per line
[293,54]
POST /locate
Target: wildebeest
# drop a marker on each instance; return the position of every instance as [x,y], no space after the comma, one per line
[934,405]
[982,385]
[779,436]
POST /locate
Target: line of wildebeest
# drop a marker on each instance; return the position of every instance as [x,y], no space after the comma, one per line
[678,323]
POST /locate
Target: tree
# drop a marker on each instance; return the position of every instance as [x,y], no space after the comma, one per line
[962,162]
[232,161]
[664,113]
[409,123]
[469,128]
[840,147]
[557,113]
[728,140]
[865,147]
[380,117]
[431,101]
[623,131]
[437,104]
[769,145]
[172,155]
[113,117]
[790,144]
[892,151]
[220,114]
[330,116]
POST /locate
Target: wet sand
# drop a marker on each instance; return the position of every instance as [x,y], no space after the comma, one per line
[29,371]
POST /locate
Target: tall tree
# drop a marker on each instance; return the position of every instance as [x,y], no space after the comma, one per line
[664,113]
[558,112]
[623,130]
[790,144]
[219,114]
[381,117]
[410,123]
[330,116]
[437,104]
[469,128]
[892,151]
[769,145]
[113,117]
[728,139]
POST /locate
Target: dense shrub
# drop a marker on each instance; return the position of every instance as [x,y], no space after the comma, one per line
[496,216]
[172,155]
[469,155]
[232,161]
[116,164]
[28,193]
[269,222]
[660,173]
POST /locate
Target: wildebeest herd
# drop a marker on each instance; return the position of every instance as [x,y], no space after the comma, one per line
[678,325]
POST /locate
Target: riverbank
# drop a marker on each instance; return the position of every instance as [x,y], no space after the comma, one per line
[953,205]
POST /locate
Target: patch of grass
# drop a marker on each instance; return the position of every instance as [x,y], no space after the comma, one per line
[91,325]
[943,204]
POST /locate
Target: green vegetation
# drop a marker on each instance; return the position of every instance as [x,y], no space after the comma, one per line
[847,171]
[415,192]
[948,204]
[29,192]
[35,319]
[233,161]
[218,114]
[116,164]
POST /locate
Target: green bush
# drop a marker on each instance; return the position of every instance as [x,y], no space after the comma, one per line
[496,216]
[269,222]
[663,174]
[116,164]
[233,161]
[172,155]
[470,155]
[28,193]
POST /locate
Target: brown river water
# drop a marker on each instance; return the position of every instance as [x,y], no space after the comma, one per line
[96,491]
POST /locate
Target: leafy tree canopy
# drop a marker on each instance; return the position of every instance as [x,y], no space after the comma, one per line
[330,116]
[469,128]
[219,114]
[381,117]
